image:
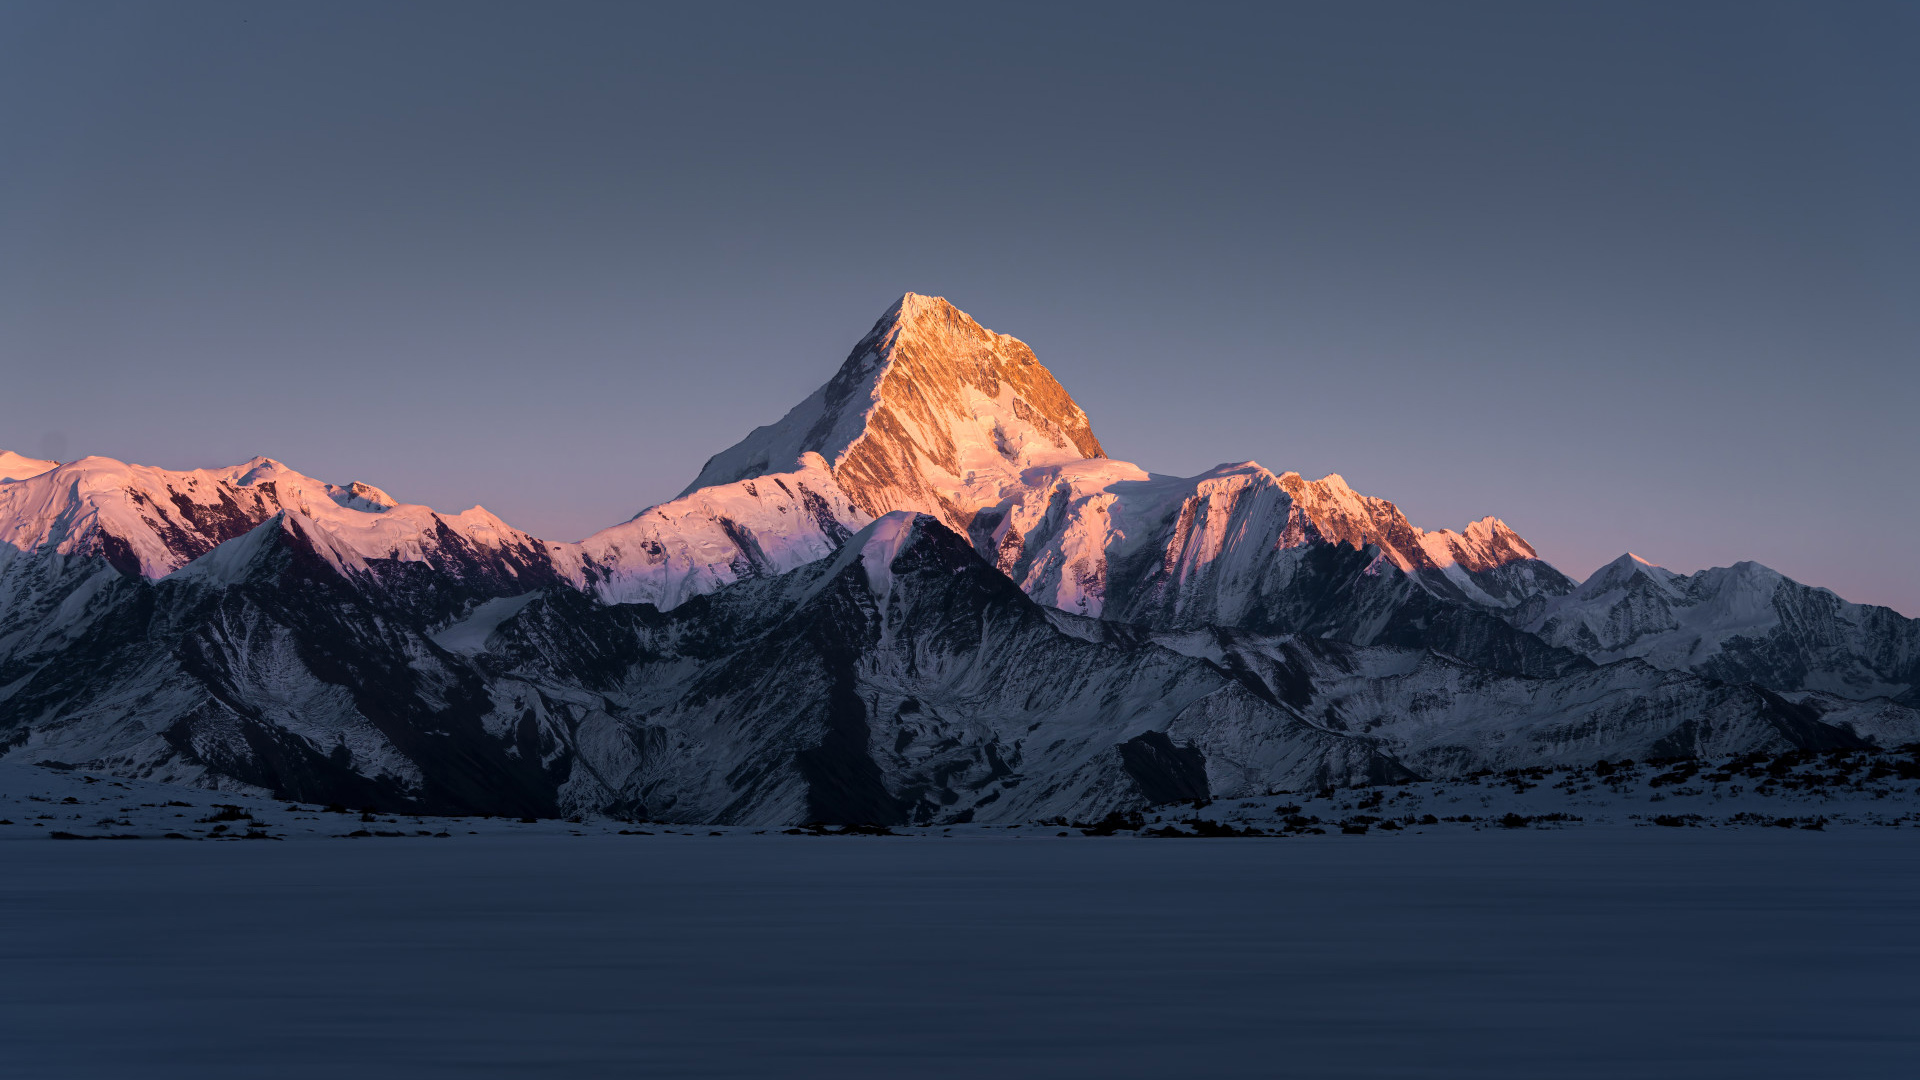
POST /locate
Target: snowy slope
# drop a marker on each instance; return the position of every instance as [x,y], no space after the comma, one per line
[930,413]
[715,536]
[67,524]
[936,414]
[1442,717]
[18,467]
[283,660]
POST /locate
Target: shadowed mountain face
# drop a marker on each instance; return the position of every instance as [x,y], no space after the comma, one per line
[273,664]
[903,680]
[925,595]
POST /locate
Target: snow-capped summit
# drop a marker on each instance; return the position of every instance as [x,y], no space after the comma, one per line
[936,414]
[364,497]
[19,467]
[930,412]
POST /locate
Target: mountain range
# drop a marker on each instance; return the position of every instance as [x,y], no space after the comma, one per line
[924,595]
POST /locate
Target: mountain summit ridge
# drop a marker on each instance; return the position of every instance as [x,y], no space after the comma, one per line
[934,413]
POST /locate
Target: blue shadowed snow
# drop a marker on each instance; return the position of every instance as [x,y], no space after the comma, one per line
[1598,953]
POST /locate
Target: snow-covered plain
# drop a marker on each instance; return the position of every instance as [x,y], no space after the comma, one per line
[1649,953]
[1602,947]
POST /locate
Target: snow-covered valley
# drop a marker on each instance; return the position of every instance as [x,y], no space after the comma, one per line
[1812,791]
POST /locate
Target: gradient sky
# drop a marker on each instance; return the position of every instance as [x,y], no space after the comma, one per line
[1630,277]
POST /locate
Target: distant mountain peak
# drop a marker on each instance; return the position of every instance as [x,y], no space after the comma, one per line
[363,497]
[930,412]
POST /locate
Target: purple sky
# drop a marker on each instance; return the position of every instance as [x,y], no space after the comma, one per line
[1630,277]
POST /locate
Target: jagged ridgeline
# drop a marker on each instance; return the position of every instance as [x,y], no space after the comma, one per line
[924,595]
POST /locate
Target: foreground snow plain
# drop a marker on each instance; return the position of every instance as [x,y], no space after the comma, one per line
[1606,946]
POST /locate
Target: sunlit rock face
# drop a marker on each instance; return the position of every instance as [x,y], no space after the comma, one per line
[1235,546]
[931,412]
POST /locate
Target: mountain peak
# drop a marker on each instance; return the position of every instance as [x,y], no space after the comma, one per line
[20,467]
[930,412]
